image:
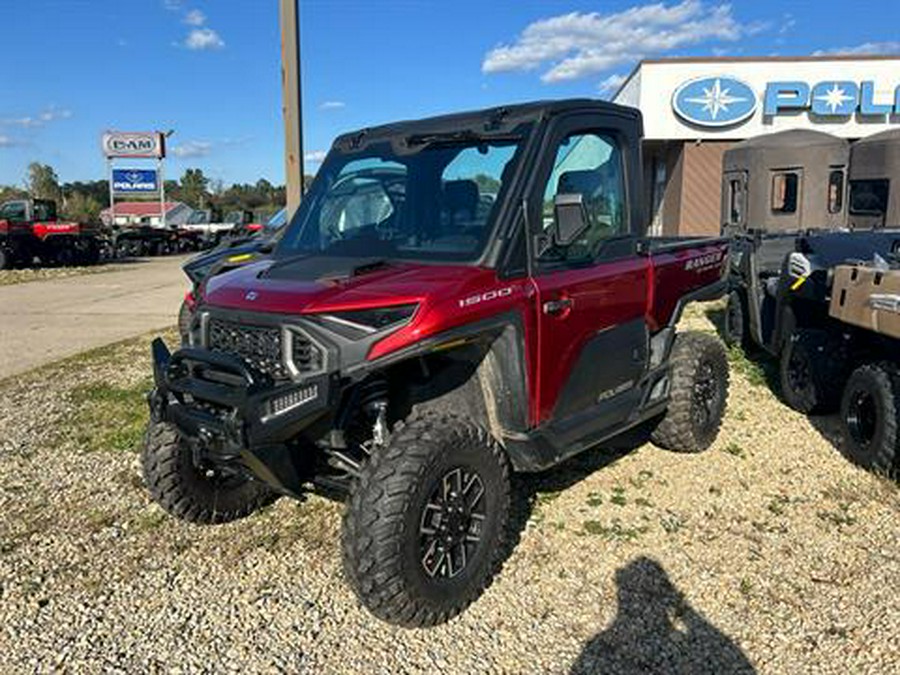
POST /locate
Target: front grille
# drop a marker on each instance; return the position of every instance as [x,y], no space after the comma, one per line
[258,346]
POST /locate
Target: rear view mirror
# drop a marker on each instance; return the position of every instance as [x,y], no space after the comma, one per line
[570,218]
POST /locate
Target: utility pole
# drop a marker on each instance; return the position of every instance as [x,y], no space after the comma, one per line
[291,108]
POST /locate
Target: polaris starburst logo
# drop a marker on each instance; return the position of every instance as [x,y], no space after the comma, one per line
[250,296]
[714,101]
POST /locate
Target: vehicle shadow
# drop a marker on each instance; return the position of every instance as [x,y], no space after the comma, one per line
[657,631]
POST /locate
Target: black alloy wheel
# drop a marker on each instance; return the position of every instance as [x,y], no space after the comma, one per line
[451,524]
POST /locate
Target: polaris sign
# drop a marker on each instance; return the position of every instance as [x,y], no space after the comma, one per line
[132,181]
[832,98]
[148,145]
[722,101]
[714,101]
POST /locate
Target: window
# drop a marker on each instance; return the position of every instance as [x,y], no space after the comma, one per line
[588,164]
[13,212]
[785,190]
[419,197]
[735,201]
[836,191]
[44,210]
[869,197]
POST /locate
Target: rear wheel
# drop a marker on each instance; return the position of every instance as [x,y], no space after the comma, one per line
[699,392]
[202,495]
[811,372]
[735,329]
[5,259]
[425,526]
[871,418]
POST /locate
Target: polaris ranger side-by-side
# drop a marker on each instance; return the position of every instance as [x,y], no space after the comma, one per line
[809,213]
[29,229]
[456,299]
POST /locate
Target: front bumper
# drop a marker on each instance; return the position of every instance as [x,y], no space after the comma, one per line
[229,414]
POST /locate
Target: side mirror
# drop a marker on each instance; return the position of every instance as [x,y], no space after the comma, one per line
[570,219]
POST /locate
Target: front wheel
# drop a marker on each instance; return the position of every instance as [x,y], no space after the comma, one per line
[699,393]
[870,416]
[425,526]
[202,495]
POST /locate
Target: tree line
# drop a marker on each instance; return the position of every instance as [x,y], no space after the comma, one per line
[82,201]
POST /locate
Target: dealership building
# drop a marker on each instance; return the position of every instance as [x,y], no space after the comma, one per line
[695,109]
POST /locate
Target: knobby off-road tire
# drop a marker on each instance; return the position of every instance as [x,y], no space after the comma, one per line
[439,484]
[6,259]
[186,491]
[870,416]
[698,394]
[735,328]
[811,372]
[185,316]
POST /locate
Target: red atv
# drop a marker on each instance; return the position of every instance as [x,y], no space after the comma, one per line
[457,298]
[29,229]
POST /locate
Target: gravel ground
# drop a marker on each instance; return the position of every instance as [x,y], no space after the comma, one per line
[768,553]
[8,277]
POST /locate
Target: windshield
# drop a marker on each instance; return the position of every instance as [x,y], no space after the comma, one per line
[278,219]
[198,218]
[435,203]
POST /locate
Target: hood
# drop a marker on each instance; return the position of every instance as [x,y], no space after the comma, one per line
[325,284]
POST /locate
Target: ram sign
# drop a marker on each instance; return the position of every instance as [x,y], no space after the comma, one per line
[144,144]
[135,181]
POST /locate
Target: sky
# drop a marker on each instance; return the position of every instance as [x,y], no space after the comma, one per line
[210,69]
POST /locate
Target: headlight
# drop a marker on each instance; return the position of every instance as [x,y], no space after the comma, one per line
[359,323]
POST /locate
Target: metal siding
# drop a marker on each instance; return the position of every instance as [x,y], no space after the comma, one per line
[701,188]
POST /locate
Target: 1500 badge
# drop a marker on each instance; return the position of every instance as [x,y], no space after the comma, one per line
[486,297]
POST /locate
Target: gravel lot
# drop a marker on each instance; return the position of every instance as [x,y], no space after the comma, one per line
[768,553]
[8,277]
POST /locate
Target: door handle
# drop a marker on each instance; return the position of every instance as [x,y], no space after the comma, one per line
[557,307]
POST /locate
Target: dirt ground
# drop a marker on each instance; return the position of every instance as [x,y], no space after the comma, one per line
[768,553]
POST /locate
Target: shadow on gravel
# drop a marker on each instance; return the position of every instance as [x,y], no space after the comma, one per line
[657,631]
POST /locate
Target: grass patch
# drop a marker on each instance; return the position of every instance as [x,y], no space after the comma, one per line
[594,499]
[735,450]
[618,497]
[614,532]
[110,417]
[755,372]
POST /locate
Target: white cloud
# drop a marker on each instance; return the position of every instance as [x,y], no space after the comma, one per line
[864,49]
[611,84]
[203,38]
[172,5]
[50,114]
[6,141]
[332,105]
[195,18]
[579,44]
[315,156]
[189,149]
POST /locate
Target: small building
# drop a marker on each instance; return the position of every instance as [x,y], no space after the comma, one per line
[146,213]
[695,109]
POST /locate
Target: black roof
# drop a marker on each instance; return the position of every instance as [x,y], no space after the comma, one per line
[791,138]
[498,119]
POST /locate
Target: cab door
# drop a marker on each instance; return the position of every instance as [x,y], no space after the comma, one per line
[592,294]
